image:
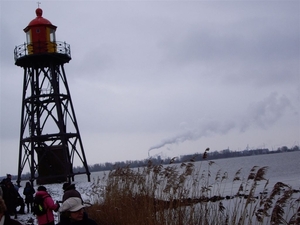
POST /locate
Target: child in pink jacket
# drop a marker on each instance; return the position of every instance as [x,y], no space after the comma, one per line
[49,204]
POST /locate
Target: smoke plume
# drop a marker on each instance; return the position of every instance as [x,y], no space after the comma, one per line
[262,114]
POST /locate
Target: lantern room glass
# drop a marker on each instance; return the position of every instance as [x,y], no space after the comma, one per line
[52,35]
[28,37]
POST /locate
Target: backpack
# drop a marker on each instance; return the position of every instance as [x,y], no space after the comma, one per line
[38,207]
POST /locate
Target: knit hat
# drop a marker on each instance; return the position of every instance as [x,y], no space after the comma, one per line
[42,188]
[72,204]
[68,186]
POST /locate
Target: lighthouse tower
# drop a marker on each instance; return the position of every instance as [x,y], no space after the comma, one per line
[50,142]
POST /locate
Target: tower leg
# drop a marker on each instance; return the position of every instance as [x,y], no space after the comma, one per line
[50,142]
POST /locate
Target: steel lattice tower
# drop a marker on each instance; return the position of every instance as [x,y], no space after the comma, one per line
[50,141]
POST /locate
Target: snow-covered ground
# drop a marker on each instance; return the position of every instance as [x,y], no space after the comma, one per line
[90,192]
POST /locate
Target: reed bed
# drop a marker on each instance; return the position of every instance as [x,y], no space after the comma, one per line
[187,195]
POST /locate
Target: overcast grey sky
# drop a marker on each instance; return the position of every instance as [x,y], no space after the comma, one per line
[165,77]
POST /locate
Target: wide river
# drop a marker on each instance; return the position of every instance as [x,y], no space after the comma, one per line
[282,167]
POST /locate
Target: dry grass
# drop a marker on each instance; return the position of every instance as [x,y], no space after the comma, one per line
[185,195]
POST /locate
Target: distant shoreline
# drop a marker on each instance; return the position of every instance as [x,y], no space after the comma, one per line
[107,166]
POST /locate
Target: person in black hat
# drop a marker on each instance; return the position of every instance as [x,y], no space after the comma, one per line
[70,191]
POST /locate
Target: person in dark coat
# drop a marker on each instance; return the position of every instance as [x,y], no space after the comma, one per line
[28,192]
[4,216]
[72,213]
[70,191]
[10,196]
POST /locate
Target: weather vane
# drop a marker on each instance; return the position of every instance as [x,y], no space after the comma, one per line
[39,4]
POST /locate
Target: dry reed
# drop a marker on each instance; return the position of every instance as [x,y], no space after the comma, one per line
[187,195]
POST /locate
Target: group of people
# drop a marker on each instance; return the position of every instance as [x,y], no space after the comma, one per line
[71,208]
[10,199]
[10,194]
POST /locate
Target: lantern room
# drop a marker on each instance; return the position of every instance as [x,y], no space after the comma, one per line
[40,35]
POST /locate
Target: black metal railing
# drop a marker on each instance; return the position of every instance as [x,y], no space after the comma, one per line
[41,48]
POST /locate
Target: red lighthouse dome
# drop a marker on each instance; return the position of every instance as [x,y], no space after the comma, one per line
[39,20]
[41,44]
[40,34]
